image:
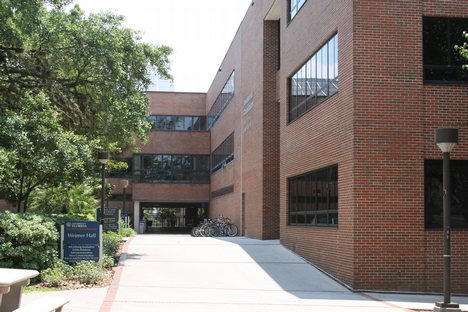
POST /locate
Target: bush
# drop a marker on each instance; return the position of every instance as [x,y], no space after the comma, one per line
[108,262]
[111,243]
[58,274]
[27,241]
[127,232]
[88,272]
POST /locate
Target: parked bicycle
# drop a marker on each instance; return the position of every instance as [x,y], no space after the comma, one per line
[221,226]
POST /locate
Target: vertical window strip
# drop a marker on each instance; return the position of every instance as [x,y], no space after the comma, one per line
[223,154]
[316,80]
[221,102]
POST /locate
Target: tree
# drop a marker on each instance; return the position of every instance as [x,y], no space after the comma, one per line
[36,150]
[93,70]
[76,200]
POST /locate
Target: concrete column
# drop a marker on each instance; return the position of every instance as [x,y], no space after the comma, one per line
[136,215]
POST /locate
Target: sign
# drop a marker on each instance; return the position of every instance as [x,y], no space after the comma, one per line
[81,241]
[81,232]
[111,219]
[76,253]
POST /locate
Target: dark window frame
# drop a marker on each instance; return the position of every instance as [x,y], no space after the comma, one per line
[305,89]
[164,172]
[157,123]
[223,154]
[222,101]
[306,202]
[433,197]
[296,8]
[448,69]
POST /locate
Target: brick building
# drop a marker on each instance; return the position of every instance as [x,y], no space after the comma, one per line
[320,129]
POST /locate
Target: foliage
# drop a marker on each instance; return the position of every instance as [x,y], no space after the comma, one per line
[108,262]
[85,272]
[76,201]
[463,49]
[38,150]
[111,243]
[27,241]
[57,274]
[93,70]
[127,232]
[88,272]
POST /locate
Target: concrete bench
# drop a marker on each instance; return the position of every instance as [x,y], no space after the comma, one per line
[44,304]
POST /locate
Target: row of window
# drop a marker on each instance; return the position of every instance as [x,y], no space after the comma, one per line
[223,154]
[177,123]
[157,168]
[313,197]
[316,80]
[221,102]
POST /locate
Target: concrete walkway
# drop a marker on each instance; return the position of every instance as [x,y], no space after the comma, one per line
[178,273]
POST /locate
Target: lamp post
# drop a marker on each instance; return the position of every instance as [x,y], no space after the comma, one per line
[446,139]
[103,159]
[124,184]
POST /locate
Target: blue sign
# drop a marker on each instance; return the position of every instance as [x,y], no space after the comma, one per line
[81,232]
[75,253]
[81,241]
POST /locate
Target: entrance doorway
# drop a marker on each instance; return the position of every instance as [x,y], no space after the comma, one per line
[172,217]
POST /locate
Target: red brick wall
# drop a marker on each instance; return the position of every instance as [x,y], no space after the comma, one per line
[271,121]
[321,137]
[145,192]
[395,118]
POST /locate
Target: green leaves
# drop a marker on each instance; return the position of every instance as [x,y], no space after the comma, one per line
[27,241]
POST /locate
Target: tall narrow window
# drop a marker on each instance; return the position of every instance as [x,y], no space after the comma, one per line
[315,81]
[442,62]
[221,102]
[223,154]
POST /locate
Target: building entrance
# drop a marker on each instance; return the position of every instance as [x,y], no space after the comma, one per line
[172,217]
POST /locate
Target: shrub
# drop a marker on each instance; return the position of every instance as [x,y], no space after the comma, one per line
[127,232]
[108,262]
[58,274]
[27,241]
[111,243]
[88,272]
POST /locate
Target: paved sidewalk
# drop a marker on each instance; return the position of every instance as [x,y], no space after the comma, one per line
[178,273]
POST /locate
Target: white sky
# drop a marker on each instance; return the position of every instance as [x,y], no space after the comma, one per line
[199,31]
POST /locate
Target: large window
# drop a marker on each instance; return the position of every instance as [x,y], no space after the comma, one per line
[442,63]
[158,168]
[177,123]
[294,7]
[316,80]
[223,154]
[221,101]
[433,193]
[313,198]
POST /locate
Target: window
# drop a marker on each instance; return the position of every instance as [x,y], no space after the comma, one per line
[177,123]
[156,168]
[294,7]
[316,80]
[313,198]
[223,191]
[223,154]
[221,101]
[433,182]
[442,63]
